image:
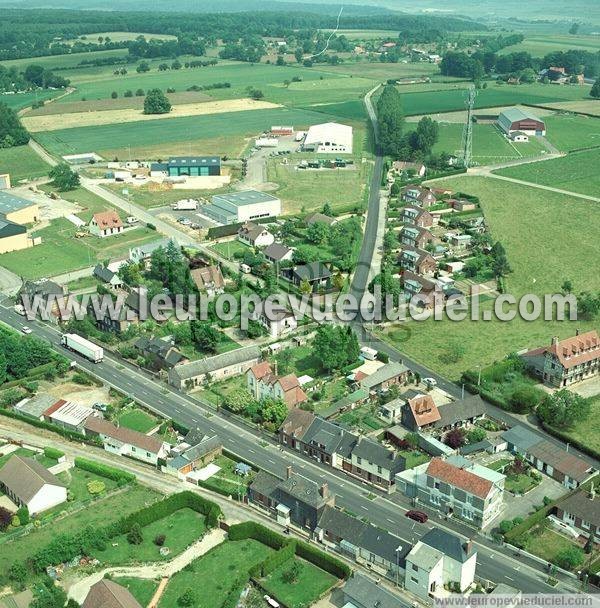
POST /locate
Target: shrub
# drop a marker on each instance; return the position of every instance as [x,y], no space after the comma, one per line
[506,526]
[96,487]
[323,560]
[159,540]
[118,475]
[187,598]
[82,379]
[135,536]
[54,453]
[23,515]
[570,558]
[5,518]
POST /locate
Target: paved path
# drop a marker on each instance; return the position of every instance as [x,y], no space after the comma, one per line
[79,590]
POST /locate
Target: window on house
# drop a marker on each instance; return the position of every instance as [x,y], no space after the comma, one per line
[379,469]
[415,567]
[585,525]
[414,580]
[148,454]
[435,500]
[358,460]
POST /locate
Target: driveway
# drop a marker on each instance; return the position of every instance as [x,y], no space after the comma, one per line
[521,506]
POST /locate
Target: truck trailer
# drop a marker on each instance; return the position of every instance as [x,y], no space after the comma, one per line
[186,204]
[84,347]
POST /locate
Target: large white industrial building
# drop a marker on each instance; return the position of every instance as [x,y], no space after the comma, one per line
[237,207]
[329,137]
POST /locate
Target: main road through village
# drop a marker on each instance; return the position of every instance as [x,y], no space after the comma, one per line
[495,563]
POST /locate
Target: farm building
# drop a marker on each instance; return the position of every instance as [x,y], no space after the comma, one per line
[15,212]
[4,181]
[192,166]
[329,137]
[519,137]
[516,119]
[236,207]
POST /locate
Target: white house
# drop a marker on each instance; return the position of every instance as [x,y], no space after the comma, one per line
[278,322]
[440,558]
[255,235]
[106,224]
[28,484]
[329,137]
[126,442]
[263,382]
[143,253]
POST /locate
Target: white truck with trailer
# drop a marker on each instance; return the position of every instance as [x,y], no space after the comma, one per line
[84,347]
[185,204]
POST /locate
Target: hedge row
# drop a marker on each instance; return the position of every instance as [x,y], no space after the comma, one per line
[275,560]
[118,475]
[308,552]
[45,425]
[54,453]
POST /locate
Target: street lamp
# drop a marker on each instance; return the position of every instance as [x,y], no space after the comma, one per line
[398,565]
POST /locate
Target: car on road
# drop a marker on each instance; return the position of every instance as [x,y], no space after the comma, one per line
[26,330]
[417,516]
[430,382]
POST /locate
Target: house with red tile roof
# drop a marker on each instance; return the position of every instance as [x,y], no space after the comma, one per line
[566,362]
[420,412]
[263,382]
[457,487]
[105,224]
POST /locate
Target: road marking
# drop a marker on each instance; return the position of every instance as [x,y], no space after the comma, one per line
[271,461]
[363,507]
[390,520]
[251,451]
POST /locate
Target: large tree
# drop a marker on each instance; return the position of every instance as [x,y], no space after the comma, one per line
[391,120]
[12,132]
[563,409]
[595,90]
[335,346]
[156,102]
[64,178]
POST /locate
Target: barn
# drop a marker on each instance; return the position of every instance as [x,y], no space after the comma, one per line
[516,119]
[244,206]
[329,137]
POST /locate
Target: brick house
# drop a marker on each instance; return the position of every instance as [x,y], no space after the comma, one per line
[581,510]
[415,216]
[419,412]
[263,382]
[416,237]
[417,195]
[418,261]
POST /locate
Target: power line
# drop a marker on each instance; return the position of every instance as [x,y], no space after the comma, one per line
[467,137]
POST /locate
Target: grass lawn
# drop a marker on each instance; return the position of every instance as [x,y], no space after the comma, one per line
[61,252]
[217,391]
[105,511]
[226,479]
[307,190]
[547,544]
[537,230]
[212,575]
[498,465]
[587,431]
[414,458]
[228,249]
[572,132]
[83,283]
[142,589]
[181,529]
[22,163]
[577,172]
[519,484]
[77,480]
[138,420]
[311,584]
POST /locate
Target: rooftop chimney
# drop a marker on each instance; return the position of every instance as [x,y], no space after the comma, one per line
[324,490]
[288,472]
[592,491]
[468,546]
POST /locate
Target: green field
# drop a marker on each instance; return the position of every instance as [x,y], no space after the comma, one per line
[489,144]
[573,132]
[540,45]
[61,252]
[537,230]
[228,249]
[350,110]
[431,102]
[577,172]
[230,127]
[312,583]
[212,575]
[105,511]
[19,101]
[22,163]
[51,62]
[181,529]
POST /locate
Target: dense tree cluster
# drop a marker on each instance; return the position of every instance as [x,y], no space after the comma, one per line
[63,177]
[563,409]
[20,354]
[156,102]
[12,132]
[34,76]
[335,346]
[391,121]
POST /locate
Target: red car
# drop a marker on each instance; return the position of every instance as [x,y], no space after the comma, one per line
[417,516]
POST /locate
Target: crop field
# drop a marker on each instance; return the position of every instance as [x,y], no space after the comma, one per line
[63,61]
[383,71]
[22,163]
[86,119]
[591,106]
[18,101]
[570,132]
[350,110]
[115,139]
[577,172]
[495,95]
[540,45]
[537,230]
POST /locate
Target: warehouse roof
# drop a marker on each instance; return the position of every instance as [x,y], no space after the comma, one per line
[246,197]
[8,228]
[329,132]
[10,202]
[193,161]
[516,114]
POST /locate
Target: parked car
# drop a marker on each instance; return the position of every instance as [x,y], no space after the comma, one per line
[417,516]
[184,221]
[430,382]
[100,407]
[26,330]
[273,603]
